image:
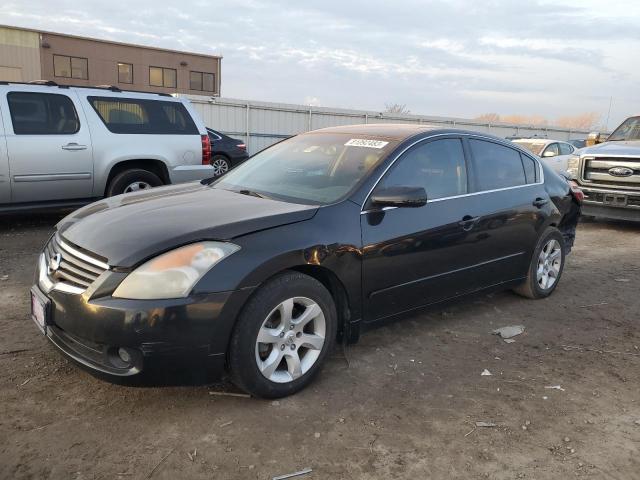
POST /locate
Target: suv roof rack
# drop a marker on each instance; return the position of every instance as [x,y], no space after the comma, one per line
[49,83]
[113,88]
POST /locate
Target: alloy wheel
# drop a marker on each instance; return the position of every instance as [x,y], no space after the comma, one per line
[549,264]
[220,167]
[290,339]
[136,186]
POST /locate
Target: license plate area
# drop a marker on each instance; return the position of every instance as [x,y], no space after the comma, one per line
[615,200]
[40,310]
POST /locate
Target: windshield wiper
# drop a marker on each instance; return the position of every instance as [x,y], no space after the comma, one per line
[251,193]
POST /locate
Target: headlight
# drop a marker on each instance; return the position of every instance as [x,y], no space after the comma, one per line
[573,165]
[173,274]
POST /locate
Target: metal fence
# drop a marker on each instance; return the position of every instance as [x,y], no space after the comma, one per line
[261,124]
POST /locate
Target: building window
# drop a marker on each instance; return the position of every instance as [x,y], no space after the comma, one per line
[201,81]
[125,73]
[162,77]
[70,67]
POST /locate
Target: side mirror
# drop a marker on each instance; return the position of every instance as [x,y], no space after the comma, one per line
[399,197]
[549,153]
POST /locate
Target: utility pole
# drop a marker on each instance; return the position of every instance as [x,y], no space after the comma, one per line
[606,127]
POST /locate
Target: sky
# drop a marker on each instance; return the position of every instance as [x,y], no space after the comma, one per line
[451,58]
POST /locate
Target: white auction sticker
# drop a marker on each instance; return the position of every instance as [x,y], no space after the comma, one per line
[363,142]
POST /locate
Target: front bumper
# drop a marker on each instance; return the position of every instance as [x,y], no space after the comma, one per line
[614,204]
[190,331]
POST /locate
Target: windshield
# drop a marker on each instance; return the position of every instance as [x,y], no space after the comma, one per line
[314,168]
[629,130]
[534,147]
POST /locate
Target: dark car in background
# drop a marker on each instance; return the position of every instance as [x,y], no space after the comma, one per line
[322,236]
[226,152]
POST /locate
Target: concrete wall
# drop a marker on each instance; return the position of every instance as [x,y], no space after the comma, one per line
[103,58]
[261,124]
[19,55]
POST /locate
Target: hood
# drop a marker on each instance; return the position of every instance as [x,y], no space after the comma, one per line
[127,229]
[630,148]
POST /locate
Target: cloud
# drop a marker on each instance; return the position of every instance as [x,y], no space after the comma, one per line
[445,57]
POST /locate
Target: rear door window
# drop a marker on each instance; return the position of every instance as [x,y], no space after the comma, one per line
[438,166]
[496,166]
[137,116]
[35,113]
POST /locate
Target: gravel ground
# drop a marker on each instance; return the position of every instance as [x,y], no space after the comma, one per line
[403,403]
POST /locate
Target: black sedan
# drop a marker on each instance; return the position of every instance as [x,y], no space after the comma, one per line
[322,236]
[226,152]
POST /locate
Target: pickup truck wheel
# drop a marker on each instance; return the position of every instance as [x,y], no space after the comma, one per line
[546,266]
[283,336]
[132,180]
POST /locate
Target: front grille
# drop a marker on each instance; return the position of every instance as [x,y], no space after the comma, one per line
[596,172]
[70,266]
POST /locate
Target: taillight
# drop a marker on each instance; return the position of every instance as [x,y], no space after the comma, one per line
[577,193]
[206,150]
[241,146]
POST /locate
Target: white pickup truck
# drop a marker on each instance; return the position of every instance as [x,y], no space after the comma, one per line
[609,174]
[68,146]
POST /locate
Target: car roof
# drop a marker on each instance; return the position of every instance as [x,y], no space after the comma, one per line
[395,131]
[403,131]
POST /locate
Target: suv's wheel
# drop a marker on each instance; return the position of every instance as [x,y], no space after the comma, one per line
[546,266]
[132,181]
[282,336]
[220,164]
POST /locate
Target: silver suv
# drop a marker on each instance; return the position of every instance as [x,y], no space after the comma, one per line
[66,146]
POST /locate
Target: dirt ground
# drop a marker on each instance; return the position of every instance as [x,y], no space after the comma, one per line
[404,405]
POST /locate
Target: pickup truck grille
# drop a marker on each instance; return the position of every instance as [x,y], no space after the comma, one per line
[596,171]
[69,266]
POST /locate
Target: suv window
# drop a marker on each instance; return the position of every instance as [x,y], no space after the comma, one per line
[496,166]
[565,149]
[155,117]
[42,114]
[438,166]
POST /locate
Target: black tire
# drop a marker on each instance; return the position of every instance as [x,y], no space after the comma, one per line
[219,162]
[122,180]
[242,357]
[531,287]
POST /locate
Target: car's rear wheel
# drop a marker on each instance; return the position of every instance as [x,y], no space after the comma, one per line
[132,180]
[546,266]
[282,336]
[220,164]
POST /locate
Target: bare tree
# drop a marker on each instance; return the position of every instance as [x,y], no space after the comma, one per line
[525,120]
[488,118]
[582,121]
[400,109]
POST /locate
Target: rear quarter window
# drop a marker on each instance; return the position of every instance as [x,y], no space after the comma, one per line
[149,117]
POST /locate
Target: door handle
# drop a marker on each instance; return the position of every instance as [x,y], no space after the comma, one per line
[468,222]
[74,147]
[540,202]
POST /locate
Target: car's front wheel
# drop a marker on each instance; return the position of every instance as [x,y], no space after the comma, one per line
[546,266]
[282,336]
